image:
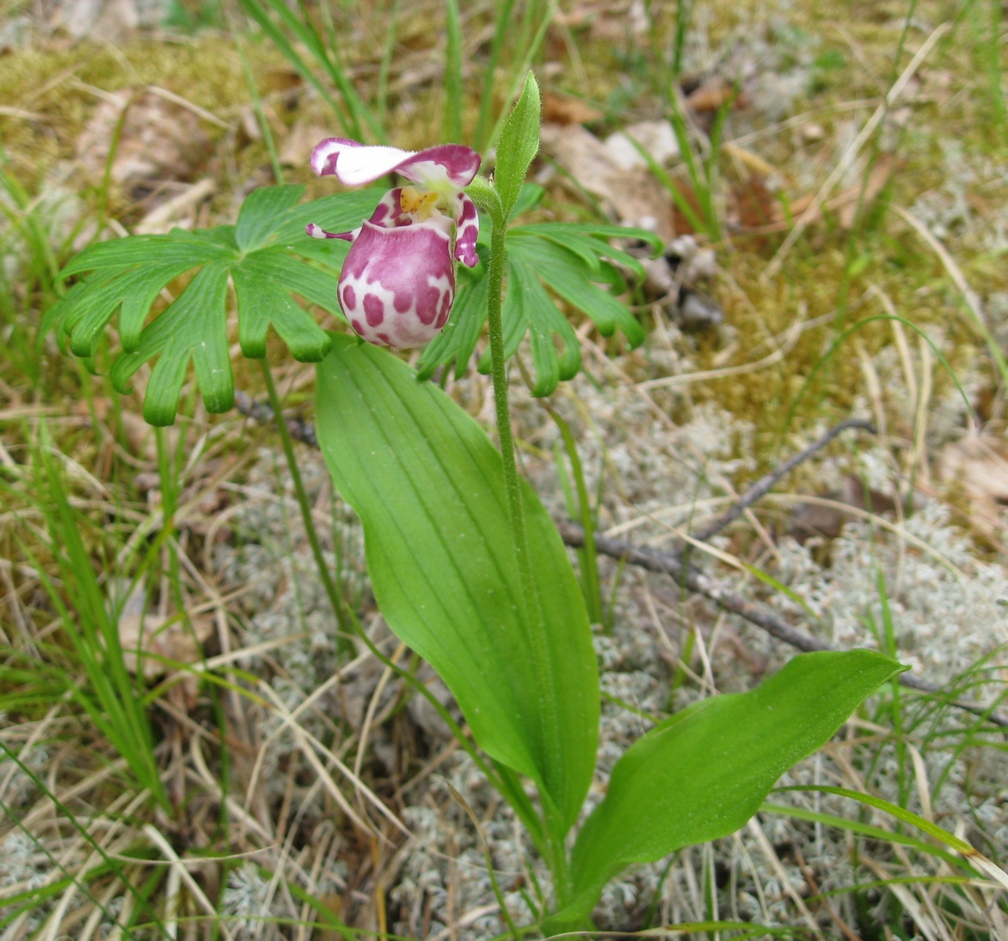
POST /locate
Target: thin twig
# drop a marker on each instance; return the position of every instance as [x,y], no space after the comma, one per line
[674,563]
[691,578]
[765,484]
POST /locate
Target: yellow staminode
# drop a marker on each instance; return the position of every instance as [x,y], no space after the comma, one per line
[417,203]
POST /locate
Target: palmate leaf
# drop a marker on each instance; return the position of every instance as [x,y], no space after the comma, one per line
[266,255]
[577,264]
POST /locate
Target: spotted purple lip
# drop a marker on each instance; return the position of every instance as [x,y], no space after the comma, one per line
[397,285]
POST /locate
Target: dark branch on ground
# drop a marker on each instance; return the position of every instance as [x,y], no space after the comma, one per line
[676,564]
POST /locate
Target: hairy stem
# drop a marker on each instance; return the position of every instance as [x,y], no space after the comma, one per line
[516,514]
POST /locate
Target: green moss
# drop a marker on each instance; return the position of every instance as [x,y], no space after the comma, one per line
[58,89]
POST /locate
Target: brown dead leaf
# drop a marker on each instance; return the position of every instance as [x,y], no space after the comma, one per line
[979,464]
[632,196]
[707,98]
[179,210]
[161,636]
[826,520]
[297,147]
[755,205]
[752,202]
[157,637]
[846,204]
[560,109]
[159,140]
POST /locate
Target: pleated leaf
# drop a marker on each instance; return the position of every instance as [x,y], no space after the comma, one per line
[428,486]
[704,772]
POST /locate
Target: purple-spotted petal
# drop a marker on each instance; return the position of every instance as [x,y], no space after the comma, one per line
[317,232]
[467,229]
[355,164]
[398,284]
[452,162]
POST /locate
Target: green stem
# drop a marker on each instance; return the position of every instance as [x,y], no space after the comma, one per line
[346,628]
[557,860]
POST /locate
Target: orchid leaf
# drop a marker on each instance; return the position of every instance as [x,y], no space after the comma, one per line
[705,771]
[428,486]
[274,266]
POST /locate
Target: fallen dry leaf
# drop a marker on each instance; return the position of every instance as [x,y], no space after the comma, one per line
[632,196]
[979,464]
[826,520]
[559,109]
[159,140]
[754,201]
[710,96]
[162,638]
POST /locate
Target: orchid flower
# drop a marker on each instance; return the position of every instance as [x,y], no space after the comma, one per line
[397,285]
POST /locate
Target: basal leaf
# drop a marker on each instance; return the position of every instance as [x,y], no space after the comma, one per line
[703,773]
[134,291]
[529,309]
[340,212]
[177,247]
[273,262]
[428,486]
[565,273]
[315,282]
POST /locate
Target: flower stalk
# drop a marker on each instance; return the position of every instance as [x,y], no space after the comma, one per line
[486,197]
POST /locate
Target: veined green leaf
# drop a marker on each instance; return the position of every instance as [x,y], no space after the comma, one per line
[529,309]
[177,247]
[561,271]
[704,772]
[192,327]
[314,282]
[262,214]
[575,261]
[429,488]
[518,144]
[267,254]
[262,302]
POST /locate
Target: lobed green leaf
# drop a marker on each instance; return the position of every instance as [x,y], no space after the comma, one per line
[191,328]
[267,255]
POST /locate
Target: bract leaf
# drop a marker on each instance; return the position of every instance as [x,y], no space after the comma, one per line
[429,488]
[703,773]
[518,144]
